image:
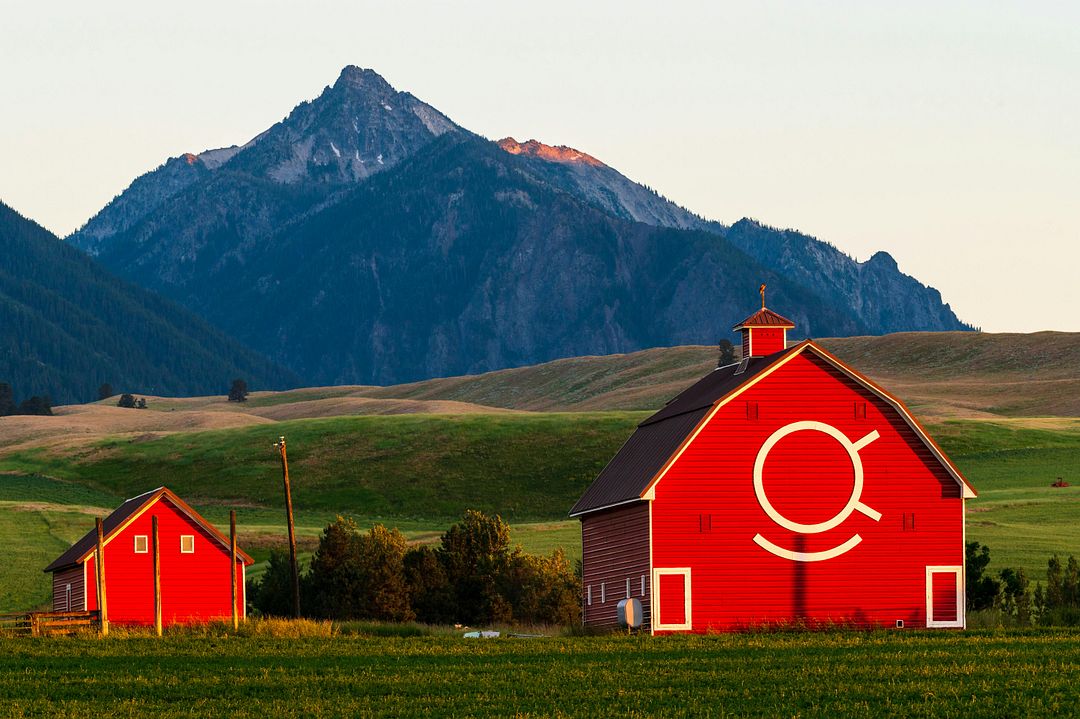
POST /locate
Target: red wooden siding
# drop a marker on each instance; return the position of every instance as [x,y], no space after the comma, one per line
[766,340]
[944,597]
[72,576]
[672,599]
[615,547]
[194,587]
[808,478]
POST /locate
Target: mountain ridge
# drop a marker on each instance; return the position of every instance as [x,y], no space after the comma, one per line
[225,241]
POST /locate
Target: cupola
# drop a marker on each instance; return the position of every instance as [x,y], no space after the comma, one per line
[763,332]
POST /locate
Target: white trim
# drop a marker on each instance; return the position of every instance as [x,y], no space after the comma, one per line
[187,551]
[652,594]
[243,588]
[963,553]
[958,623]
[687,621]
[146,543]
[749,343]
[606,506]
[84,604]
[807,556]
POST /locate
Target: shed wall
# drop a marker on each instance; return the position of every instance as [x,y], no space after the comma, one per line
[60,581]
[615,548]
[194,587]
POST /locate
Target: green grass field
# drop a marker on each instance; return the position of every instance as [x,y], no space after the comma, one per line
[420,472]
[918,674]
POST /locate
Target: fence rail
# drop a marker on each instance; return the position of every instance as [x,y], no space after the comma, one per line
[48,624]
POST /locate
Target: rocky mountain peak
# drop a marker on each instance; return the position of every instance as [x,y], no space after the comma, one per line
[353,77]
[551,153]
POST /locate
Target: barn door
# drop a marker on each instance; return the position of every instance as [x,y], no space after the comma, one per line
[944,597]
[671,600]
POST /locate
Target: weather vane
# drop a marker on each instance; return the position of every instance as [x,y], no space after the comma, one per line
[762,291]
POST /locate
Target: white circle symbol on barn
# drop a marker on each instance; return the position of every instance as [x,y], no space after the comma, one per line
[854,503]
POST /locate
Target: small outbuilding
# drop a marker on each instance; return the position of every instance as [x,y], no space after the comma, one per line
[195,572]
[784,489]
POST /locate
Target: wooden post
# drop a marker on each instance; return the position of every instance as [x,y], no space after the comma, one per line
[157,576]
[292,530]
[102,597]
[232,568]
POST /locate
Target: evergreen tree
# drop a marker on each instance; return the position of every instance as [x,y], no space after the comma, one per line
[126,401]
[239,391]
[104,391]
[7,400]
[727,353]
[36,405]
[981,587]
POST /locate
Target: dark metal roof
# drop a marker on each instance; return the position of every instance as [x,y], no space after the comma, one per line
[79,551]
[656,439]
[765,318]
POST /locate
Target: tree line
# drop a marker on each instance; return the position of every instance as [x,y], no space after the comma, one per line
[472,577]
[1010,592]
[37,404]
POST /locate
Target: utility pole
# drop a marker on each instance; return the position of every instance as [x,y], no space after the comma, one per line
[232,569]
[292,530]
[102,597]
[157,575]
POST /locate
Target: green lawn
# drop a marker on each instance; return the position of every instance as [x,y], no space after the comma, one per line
[883,674]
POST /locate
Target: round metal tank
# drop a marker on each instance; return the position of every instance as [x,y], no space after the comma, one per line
[629,613]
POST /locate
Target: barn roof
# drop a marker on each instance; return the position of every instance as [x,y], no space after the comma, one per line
[642,461]
[127,512]
[656,439]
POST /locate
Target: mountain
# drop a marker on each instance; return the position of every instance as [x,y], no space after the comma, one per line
[368,238]
[67,326]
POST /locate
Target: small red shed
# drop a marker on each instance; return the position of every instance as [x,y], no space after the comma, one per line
[194,565]
[785,488]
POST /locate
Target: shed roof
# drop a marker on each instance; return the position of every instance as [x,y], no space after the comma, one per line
[130,509]
[643,460]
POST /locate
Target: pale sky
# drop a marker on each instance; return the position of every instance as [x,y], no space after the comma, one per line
[945,133]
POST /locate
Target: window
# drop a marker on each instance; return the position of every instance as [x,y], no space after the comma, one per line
[643,585]
[860,410]
[141,544]
[187,544]
[603,592]
[751,410]
[628,587]
[704,523]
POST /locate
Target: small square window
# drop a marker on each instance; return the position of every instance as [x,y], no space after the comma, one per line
[141,544]
[187,544]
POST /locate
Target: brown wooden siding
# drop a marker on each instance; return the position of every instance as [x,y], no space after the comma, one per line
[615,548]
[74,577]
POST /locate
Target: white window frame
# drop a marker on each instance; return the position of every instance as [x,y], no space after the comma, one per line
[958,623]
[658,617]
[191,538]
[146,544]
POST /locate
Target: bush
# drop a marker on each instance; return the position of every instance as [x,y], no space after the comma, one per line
[272,595]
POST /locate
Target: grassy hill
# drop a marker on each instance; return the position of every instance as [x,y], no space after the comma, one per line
[415,456]
[936,373]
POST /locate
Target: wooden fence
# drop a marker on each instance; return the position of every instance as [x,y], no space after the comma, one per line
[49,624]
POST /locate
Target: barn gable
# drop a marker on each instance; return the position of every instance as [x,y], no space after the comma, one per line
[659,440]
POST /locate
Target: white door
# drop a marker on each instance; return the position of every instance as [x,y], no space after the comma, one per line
[671,603]
[945,597]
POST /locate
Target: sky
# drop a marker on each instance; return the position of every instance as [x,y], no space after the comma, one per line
[947,134]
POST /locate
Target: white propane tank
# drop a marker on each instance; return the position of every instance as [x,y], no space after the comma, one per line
[629,613]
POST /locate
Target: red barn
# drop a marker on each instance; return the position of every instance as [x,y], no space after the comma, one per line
[786,488]
[194,565]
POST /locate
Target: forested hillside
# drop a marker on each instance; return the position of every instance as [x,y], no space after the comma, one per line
[67,327]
